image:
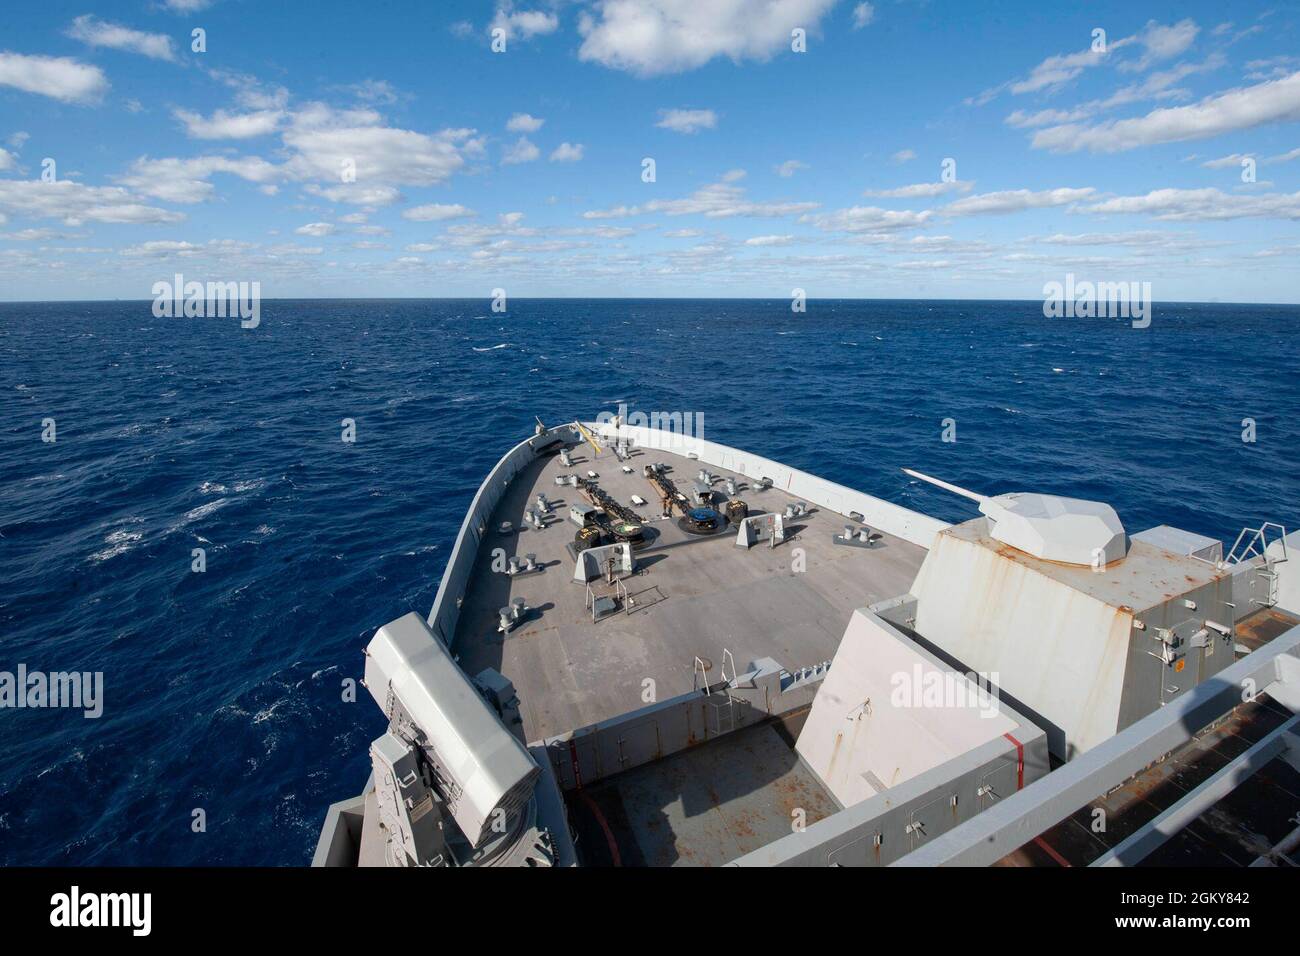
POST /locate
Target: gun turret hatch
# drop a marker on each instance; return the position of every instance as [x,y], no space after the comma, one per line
[1051,527]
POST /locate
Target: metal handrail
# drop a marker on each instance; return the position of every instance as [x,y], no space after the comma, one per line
[1256,545]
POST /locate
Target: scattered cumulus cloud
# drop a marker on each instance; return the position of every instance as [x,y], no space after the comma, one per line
[437,212]
[324,141]
[187,180]
[58,77]
[920,190]
[687,121]
[523,24]
[1016,200]
[75,203]
[99,33]
[653,37]
[223,125]
[567,153]
[523,123]
[523,151]
[1187,205]
[1274,101]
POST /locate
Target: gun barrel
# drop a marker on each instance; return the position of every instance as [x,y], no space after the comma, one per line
[964,492]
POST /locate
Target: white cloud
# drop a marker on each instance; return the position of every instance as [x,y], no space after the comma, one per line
[1163,43]
[920,190]
[1056,71]
[523,151]
[863,14]
[1015,200]
[7,160]
[1147,239]
[903,156]
[437,212]
[1244,108]
[186,180]
[1158,85]
[650,37]
[323,140]
[187,6]
[1223,162]
[100,33]
[687,121]
[75,203]
[789,168]
[567,153]
[523,123]
[356,194]
[1158,42]
[223,125]
[315,229]
[19,139]
[868,219]
[374,91]
[523,23]
[714,201]
[1190,205]
[161,249]
[58,77]
[769,241]
[1283,157]
[33,235]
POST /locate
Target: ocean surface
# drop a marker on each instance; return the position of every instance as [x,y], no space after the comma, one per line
[223,689]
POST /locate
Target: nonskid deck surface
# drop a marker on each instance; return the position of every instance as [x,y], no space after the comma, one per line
[705,806]
[693,597]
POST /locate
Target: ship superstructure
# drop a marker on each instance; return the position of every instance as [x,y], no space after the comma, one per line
[649,648]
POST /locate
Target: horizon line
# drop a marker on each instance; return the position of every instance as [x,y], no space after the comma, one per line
[630,298]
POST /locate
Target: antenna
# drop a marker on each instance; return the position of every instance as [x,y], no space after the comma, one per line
[973,496]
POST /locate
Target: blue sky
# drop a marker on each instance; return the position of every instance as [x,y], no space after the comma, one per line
[774,169]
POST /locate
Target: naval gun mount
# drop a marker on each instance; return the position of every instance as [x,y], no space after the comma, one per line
[1087,629]
[452,785]
[1051,527]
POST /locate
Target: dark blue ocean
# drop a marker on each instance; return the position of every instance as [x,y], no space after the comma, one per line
[223,688]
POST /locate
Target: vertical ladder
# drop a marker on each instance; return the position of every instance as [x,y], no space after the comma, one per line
[1254,543]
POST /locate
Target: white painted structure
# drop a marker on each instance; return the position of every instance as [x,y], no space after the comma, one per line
[1285,552]
[1052,527]
[591,563]
[888,712]
[485,767]
[1088,650]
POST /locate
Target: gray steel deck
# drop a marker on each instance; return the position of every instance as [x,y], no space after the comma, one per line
[702,807]
[695,597]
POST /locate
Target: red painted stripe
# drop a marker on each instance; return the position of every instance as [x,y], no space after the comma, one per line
[604,825]
[1020,761]
[1050,852]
